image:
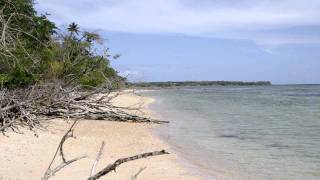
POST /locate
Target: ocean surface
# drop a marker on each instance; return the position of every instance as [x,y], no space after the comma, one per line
[270,132]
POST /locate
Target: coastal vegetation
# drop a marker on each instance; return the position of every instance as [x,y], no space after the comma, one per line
[199,83]
[34,51]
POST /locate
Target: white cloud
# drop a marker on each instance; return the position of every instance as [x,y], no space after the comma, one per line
[235,19]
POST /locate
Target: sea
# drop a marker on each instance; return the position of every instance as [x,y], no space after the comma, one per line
[254,132]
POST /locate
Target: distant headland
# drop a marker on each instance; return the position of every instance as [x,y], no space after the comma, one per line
[199,83]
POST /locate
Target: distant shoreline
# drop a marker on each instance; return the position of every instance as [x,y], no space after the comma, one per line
[200,83]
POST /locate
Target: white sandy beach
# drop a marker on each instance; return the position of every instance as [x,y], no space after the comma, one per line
[25,156]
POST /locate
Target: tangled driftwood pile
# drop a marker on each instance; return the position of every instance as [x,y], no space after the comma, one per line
[27,107]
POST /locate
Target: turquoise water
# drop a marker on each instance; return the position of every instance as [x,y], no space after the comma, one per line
[244,132]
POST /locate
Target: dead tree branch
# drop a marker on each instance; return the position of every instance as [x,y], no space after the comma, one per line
[113,166]
[52,171]
[97,159]
[50,101]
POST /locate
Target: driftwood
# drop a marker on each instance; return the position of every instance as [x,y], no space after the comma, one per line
[97,159]
[113,166]
[29,106]
[52,171]
[109,168]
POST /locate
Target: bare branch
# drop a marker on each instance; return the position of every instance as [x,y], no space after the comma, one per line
[48,101]
[61,166]
[113,166]
[97,159]
[51,172]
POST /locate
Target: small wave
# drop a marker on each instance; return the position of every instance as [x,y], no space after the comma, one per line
[229,136]
[232,136]
[278,145]
[304,95]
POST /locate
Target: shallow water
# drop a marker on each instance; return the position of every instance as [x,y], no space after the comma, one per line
[245,132]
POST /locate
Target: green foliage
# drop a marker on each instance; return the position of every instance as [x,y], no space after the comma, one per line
[93,79]
[25,41]
[34,52]
[76,61]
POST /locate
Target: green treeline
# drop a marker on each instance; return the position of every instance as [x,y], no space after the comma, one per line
[33,50]
[200,83]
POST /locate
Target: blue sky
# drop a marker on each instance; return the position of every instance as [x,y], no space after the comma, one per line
[161,40]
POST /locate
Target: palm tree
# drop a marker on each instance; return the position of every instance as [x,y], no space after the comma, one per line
[73,28]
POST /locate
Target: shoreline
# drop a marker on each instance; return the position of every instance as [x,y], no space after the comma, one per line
[183,157]
[29,156]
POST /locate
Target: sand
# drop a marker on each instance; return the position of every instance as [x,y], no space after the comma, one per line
[25,156]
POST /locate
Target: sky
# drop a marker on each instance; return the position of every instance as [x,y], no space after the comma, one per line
[177,40]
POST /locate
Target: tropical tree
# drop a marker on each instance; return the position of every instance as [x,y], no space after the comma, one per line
[73,29]
[31,51]
[25,40]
